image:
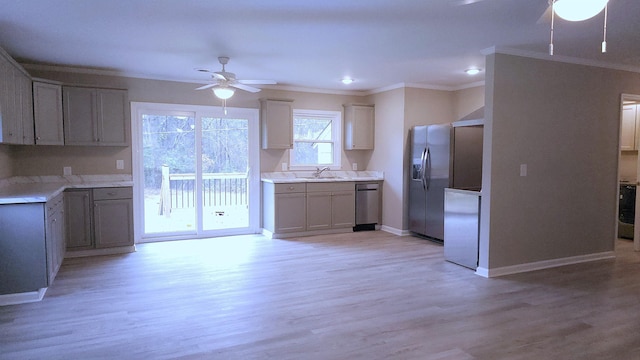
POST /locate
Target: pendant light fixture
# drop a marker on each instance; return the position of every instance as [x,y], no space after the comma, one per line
[578,10]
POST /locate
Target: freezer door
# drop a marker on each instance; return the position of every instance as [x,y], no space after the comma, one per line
[417,188]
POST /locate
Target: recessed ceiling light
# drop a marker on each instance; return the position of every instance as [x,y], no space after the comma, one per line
[347,81]
[472,71]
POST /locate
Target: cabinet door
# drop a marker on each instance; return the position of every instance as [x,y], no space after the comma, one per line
[277,124]
[26,93]
[628,130]
[78,219]
[290,212]
[359,127]
[11,124]
[112,117]
[318,210]
[343,209]
[80,116]
[113,223]
[54,237]
[47,113]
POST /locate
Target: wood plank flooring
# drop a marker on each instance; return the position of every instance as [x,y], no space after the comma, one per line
[367,295]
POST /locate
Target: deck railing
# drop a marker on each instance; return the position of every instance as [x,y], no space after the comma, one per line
[219,190]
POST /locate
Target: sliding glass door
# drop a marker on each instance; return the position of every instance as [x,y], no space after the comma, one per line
[194,175]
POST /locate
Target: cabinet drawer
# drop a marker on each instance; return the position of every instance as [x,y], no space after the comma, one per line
[331,186]
[112,193]
[289,188]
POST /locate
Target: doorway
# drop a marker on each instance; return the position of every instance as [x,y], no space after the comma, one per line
[629,170]
[192,171]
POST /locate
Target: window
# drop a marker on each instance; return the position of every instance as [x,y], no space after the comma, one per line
[316,139]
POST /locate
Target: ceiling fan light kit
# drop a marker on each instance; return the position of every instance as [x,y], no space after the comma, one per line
[223,92]
[578,10]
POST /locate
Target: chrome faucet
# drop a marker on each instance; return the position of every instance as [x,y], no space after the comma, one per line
[320,171]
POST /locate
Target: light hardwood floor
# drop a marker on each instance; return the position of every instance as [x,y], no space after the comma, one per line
[367,295]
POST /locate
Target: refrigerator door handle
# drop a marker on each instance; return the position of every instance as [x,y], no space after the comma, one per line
[428,168]
[423,164]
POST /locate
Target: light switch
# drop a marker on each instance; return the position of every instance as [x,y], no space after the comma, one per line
[66,170]
[284,166]
[354,166]
[120,164]
[523,169]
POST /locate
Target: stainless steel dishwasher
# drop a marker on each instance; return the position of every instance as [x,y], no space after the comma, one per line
[367,206]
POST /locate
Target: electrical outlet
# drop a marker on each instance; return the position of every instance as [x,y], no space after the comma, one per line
[284,166]
[66,170]
[354,166]
[120,164]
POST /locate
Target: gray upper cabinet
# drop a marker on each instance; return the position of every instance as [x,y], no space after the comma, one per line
[16,113]
[95,117]
[47,113]
[276,118]
[359,127]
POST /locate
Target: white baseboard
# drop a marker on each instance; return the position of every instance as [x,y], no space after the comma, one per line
[22,298]
[545,264]
[395,231]
[272,235]
[99,252]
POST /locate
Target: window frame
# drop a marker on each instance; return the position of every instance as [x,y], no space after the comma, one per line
[336,138]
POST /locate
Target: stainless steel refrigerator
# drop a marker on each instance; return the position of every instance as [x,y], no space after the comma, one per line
[442,156]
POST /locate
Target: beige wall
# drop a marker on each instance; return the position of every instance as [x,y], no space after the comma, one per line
[388,153]
[562,121]
[467,101]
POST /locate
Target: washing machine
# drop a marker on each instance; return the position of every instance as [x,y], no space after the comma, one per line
[626,211]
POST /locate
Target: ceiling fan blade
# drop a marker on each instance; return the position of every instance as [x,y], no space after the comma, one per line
[206,86]
[257,82]
[545,17]
[245,87]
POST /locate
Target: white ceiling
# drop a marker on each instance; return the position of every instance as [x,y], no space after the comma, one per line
[306,43]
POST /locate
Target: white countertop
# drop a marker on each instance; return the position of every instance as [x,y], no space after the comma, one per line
[326,176]
[35,189]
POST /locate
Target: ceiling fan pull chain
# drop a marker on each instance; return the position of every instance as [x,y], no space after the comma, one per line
[552,21]
[604,40]
[224,106]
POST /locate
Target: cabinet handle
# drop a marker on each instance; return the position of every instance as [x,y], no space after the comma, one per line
[111,193]
[291,188]
[37,137]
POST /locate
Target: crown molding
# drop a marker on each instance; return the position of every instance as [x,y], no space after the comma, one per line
[117,73]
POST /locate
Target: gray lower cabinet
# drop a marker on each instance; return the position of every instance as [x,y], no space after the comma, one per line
[300,207]
[284,207]
[31,245]
[79,212]
[330,205]
[99,218]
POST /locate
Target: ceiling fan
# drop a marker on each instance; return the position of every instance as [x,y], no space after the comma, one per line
[223,82]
